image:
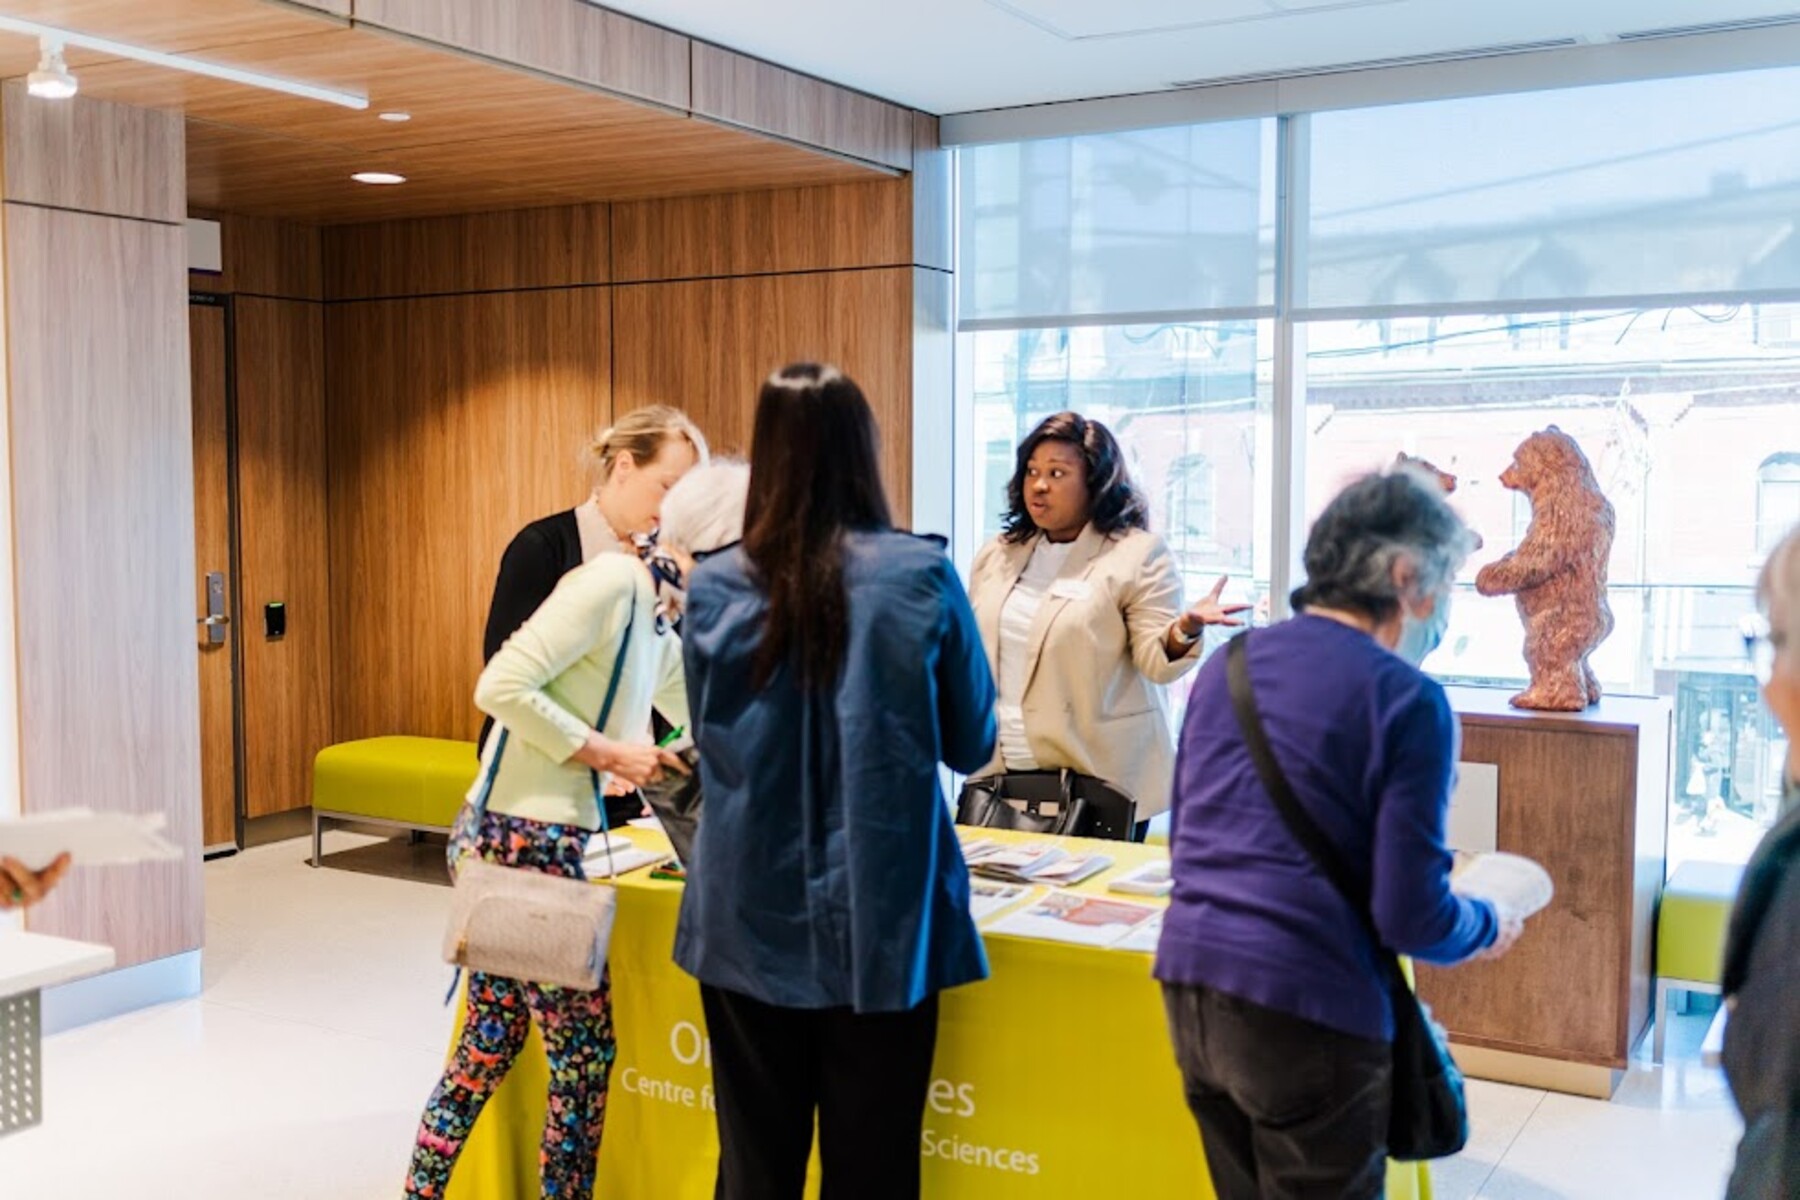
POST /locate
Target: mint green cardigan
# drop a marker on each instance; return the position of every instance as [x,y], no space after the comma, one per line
[547,684]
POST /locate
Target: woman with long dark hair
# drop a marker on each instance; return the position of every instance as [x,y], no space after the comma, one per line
[1080,611]
[832,664]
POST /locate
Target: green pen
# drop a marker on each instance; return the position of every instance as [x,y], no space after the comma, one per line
[671,737]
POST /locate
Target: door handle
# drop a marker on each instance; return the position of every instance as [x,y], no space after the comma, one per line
[215,619]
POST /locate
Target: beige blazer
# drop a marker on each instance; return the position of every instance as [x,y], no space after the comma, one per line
[1093,700]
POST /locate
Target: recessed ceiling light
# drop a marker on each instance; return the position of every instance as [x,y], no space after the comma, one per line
[378,177]
[396,116]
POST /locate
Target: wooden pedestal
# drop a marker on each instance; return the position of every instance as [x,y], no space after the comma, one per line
[1587,795]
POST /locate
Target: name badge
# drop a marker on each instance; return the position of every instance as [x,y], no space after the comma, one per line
[1071,589]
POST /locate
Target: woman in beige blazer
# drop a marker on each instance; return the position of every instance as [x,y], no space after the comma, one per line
[1079,606]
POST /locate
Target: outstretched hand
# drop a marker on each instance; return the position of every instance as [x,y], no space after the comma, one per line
[1208,611]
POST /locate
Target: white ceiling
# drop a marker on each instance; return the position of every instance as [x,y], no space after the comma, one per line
[946,56]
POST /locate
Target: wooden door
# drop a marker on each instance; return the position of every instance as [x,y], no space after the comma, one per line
[214,591]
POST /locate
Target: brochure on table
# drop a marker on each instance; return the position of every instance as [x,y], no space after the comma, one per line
[626,856]
[1082,920]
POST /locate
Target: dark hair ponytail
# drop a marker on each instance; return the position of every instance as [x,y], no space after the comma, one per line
[815,475]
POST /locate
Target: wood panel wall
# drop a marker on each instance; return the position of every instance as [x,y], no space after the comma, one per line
[279,357]
[748,92]
[482,252]
[459,399]
[453,421]
[92,157]
[103,501]
[834,228]
[566,38]
[751,326]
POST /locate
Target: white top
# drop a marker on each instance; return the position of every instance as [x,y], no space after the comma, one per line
[30,961]
[597,537]
[1016,617]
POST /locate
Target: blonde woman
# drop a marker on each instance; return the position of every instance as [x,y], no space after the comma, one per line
[633,466]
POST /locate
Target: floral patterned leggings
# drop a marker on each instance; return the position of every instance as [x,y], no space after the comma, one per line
[578,1041]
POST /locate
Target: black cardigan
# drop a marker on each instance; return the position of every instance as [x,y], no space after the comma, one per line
[535,561]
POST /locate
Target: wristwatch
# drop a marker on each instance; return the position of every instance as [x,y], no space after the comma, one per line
[1181,637]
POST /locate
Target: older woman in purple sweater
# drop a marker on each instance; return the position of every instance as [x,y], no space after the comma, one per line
[1276,1002]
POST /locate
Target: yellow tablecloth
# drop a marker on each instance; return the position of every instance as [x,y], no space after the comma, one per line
[1054,1079]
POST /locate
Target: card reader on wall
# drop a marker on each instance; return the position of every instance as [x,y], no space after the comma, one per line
[274,620]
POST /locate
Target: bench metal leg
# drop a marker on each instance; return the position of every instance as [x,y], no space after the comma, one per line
[1661,1034]
[1664,989]
[318,829]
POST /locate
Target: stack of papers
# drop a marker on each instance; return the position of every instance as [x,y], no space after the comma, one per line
[626,856]
[1515,885]
[1017,864]
[1151,879]
[1144,938]
[1083,920]
[1065,872]
[89,838]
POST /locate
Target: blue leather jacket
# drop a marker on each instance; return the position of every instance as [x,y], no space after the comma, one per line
[826,872]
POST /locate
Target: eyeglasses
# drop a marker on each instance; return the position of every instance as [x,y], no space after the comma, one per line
[1760,645]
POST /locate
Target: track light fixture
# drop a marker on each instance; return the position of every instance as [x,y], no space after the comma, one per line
[52,80]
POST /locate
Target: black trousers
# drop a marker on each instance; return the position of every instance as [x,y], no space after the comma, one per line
[1288,1110]
[865,1076]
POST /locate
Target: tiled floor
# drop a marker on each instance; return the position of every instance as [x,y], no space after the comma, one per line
[299,1074]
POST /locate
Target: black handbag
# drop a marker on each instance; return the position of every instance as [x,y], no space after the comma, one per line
[675,799]
[1429,1117]
[1065,803]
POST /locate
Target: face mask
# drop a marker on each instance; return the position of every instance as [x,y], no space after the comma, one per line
[1790,795]
[1419,636]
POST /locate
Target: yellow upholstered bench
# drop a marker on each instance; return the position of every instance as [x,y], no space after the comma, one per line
[1690,934]
[409,783]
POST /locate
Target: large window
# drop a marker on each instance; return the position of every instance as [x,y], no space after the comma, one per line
[1675,409]
[1449,280]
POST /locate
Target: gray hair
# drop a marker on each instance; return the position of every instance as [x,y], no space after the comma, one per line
[705,511]
[1380,520]
[1778,587]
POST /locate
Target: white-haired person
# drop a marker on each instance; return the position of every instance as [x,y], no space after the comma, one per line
[1761,979]
[704,513]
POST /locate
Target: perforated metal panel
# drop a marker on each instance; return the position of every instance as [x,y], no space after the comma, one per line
[21,1079]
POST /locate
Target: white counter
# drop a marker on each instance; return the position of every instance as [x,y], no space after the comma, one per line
[30,961]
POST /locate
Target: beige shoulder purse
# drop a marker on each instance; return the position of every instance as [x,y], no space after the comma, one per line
[525,924]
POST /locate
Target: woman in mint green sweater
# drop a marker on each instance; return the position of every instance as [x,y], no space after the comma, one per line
[545,688]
